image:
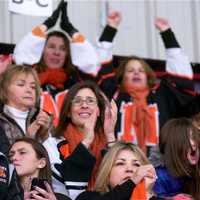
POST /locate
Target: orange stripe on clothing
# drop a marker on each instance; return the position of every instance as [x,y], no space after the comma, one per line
[48,105]
[179,75]
[105,77]
[60,98]
[106,62]
[130,130]
[64,150]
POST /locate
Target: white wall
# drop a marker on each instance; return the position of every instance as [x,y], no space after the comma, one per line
[137,34]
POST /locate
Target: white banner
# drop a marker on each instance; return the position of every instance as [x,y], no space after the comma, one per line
[31,7]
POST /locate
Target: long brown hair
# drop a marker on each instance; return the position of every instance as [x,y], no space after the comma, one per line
[174,143]
[44,173]
[151,77]
[68,66]
[64,118]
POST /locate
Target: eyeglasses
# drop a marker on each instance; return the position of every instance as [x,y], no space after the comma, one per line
[78,101]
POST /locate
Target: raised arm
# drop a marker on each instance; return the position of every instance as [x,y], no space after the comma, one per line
[105,43]
[178,63]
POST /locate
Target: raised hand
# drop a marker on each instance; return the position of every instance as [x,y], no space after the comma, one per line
[51,21]
[114,18]
[47,194]
[44,121]
[89,128]
[27,187]
[110,120]
[161,24]
[65,24]
[143,172]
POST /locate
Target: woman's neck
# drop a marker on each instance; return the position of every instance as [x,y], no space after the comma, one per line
[25,182]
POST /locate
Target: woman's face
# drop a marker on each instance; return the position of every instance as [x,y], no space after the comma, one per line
[55,52]
[23,157]
[193,152]
[84,107]
[125,164]
[135,75]
[21,93]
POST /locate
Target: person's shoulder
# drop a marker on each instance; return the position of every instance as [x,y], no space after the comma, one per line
[60,196]
[88,195]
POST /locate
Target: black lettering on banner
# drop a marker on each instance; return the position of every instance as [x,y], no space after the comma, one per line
[40,4]
[18,1]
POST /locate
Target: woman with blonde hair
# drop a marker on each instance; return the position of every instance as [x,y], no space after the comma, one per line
[125,173]
[20,114]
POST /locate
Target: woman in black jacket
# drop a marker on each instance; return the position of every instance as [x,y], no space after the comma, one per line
[125,173]
[31,161]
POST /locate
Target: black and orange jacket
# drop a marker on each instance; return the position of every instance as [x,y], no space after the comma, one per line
[166,100]
[120,192]
[92,62]
[71,172]
[10,188]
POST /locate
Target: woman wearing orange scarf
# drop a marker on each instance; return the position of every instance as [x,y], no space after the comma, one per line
[62,59]
[145,106]
[85,128]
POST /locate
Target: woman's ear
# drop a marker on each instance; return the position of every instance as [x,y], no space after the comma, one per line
[42,163]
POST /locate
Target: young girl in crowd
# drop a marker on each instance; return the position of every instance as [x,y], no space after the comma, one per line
[123,170]
[54,56]
[31,160]
[178,170]
[143,106]
[85,128]
[20,116]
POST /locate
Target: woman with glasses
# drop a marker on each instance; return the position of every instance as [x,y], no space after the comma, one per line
[66,55]
[85,128]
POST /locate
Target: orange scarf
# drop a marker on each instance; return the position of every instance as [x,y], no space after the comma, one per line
[140,115]
[56,77]
[139,192]
[74,137]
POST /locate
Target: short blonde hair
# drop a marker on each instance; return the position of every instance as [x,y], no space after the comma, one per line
[14,71]
[102,181]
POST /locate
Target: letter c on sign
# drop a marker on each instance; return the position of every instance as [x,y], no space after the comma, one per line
[40,4]
[18,1]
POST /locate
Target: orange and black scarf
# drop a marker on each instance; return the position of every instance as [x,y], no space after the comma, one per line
[140,116]
[74,137]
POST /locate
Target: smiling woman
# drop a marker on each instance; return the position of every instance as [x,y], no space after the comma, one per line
[19,94]
[85,128]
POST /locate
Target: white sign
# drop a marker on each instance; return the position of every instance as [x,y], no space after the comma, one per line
[31,7]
